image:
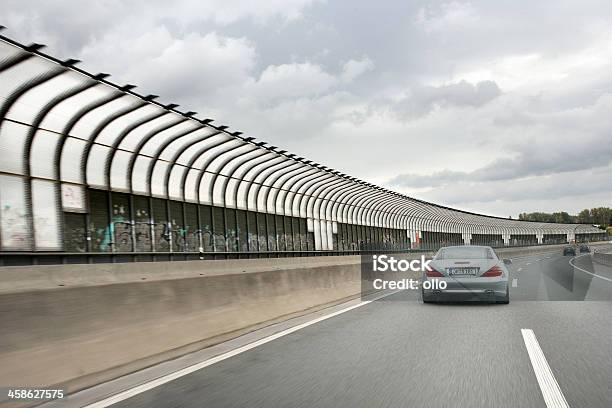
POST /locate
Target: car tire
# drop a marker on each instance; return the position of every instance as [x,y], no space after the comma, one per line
[506,299]
[427,299]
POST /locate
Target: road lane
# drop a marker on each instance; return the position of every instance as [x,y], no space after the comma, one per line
[553,396]
[389,353]
[553,278]
[398,352]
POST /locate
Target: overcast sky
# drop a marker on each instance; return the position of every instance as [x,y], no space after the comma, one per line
[496,107]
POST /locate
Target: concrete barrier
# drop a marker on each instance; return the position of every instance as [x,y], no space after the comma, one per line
[74,326]
[81,334]
[527,251]
[603,258]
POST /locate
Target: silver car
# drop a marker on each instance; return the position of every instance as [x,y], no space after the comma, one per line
[470,273]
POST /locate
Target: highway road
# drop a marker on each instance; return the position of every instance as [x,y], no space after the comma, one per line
[399,352]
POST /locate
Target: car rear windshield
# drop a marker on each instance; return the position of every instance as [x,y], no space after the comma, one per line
[465,253]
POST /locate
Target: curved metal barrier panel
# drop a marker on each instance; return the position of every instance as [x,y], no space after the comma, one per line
[92,168]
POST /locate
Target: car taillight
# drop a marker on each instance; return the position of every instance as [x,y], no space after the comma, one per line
[494,271]
[432,273]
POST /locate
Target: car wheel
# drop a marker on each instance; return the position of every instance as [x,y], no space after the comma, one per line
[506,299]
[427,299]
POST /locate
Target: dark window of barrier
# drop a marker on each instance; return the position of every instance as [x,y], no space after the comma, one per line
[122,222]
[303,238]
[271,232]
[177,226]
[99,228]
[191,228]
[231,233]
[554,238]
[487,239]
[335,241]
[206,228]
[280,233]
[75,233]
[252,237]
[295,225]
[522,239]
[142,224]
[219,229]
[288,234]
[161,230]
[262,234]
[242,230]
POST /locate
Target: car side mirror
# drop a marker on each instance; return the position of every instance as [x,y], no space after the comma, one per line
[508,261]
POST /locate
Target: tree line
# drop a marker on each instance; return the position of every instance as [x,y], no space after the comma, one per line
[601,216]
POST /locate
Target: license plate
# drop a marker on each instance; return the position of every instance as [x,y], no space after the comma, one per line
[463,271]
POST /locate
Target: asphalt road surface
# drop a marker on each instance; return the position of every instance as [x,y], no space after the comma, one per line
[399,352]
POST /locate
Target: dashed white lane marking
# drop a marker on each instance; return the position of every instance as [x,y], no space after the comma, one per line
[553,397]
[514,283]
[188,370]
[519,269]
[585,271]
[528,263]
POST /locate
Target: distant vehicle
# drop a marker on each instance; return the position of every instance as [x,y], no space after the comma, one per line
[470,272]
[584,248]
[569,250]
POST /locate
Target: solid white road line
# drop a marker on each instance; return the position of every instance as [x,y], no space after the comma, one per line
[553,397]
[514,283]
[582,270]
[188,370]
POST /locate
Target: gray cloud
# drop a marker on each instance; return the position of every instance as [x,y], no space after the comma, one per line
[422,99]
[555,144]
[558,186]
[553,160]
